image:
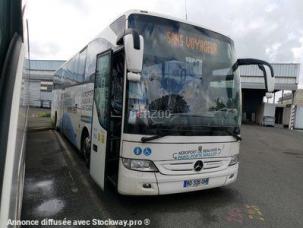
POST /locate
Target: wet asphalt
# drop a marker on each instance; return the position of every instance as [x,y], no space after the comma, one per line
[268,193]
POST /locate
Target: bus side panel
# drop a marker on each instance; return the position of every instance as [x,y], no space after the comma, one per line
[14,167]
[54,105]
[56,108]
[86,108]
[98,151]
[72,113]
[60,109]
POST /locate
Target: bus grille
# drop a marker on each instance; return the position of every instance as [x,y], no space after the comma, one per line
[187,167]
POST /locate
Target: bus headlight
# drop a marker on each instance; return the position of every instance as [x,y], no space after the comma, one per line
[139,165]
[234,160]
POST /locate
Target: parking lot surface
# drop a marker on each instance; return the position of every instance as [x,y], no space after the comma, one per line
[268,192]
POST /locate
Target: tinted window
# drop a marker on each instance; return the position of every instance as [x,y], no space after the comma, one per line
[118,26]
[102,88]
[81,65]
[73,70]
[117,83]
[94,48]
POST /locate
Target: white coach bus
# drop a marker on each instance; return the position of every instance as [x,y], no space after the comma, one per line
[14,61]
[153,104]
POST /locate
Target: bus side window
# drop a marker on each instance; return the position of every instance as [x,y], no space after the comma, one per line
[117,84]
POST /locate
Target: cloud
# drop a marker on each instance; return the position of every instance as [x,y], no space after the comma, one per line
[39,49]
[256,26]
[271,30]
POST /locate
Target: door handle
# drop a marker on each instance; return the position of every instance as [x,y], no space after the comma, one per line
[95,147]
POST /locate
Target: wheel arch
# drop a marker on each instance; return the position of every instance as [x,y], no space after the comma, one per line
[84,132]
[55,119]
[85,146]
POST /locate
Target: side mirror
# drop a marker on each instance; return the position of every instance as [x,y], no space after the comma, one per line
[134,47]
[265,67]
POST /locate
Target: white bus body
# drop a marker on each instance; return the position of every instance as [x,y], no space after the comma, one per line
[110,134]
[14,60]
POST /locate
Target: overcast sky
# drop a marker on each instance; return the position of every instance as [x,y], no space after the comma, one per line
[271,30]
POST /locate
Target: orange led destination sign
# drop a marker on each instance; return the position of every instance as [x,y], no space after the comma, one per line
[191,42]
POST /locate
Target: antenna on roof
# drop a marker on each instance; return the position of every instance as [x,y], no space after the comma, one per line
[185,10]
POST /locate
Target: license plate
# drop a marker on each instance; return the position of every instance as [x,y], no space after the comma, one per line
[195,182]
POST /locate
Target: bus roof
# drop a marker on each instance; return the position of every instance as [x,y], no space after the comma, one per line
[144,12]
[149,13]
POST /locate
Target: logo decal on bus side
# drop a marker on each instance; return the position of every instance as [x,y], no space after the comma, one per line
[197,154]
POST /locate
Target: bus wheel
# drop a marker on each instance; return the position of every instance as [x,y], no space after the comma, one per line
[85,149]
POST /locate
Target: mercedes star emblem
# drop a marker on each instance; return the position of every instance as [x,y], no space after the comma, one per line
[198,165]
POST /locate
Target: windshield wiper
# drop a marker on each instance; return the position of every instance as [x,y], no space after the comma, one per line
[234,134]
[158,136]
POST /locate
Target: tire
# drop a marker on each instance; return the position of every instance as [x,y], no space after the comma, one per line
[85,149]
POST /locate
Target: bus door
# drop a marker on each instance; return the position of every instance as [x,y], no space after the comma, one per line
[100,122]
[115,121]
[107,117]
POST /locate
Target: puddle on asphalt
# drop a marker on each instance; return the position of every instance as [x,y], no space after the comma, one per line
[49,208]
[45,187]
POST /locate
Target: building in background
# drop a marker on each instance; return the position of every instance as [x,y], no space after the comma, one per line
[286,99]
[41,74]
[292,109]
[252,82]
[253,88]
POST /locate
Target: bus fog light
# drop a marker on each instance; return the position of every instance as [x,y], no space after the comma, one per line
[139,165]
[234,160]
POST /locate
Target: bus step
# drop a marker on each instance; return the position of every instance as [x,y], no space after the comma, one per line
[112,180]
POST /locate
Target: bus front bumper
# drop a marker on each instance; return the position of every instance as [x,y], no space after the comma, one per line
[132,182]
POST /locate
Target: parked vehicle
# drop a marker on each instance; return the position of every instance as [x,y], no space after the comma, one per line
[154,105]
[13,116]
[266,114]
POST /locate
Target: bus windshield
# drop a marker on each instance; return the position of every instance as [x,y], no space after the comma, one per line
[187,83]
